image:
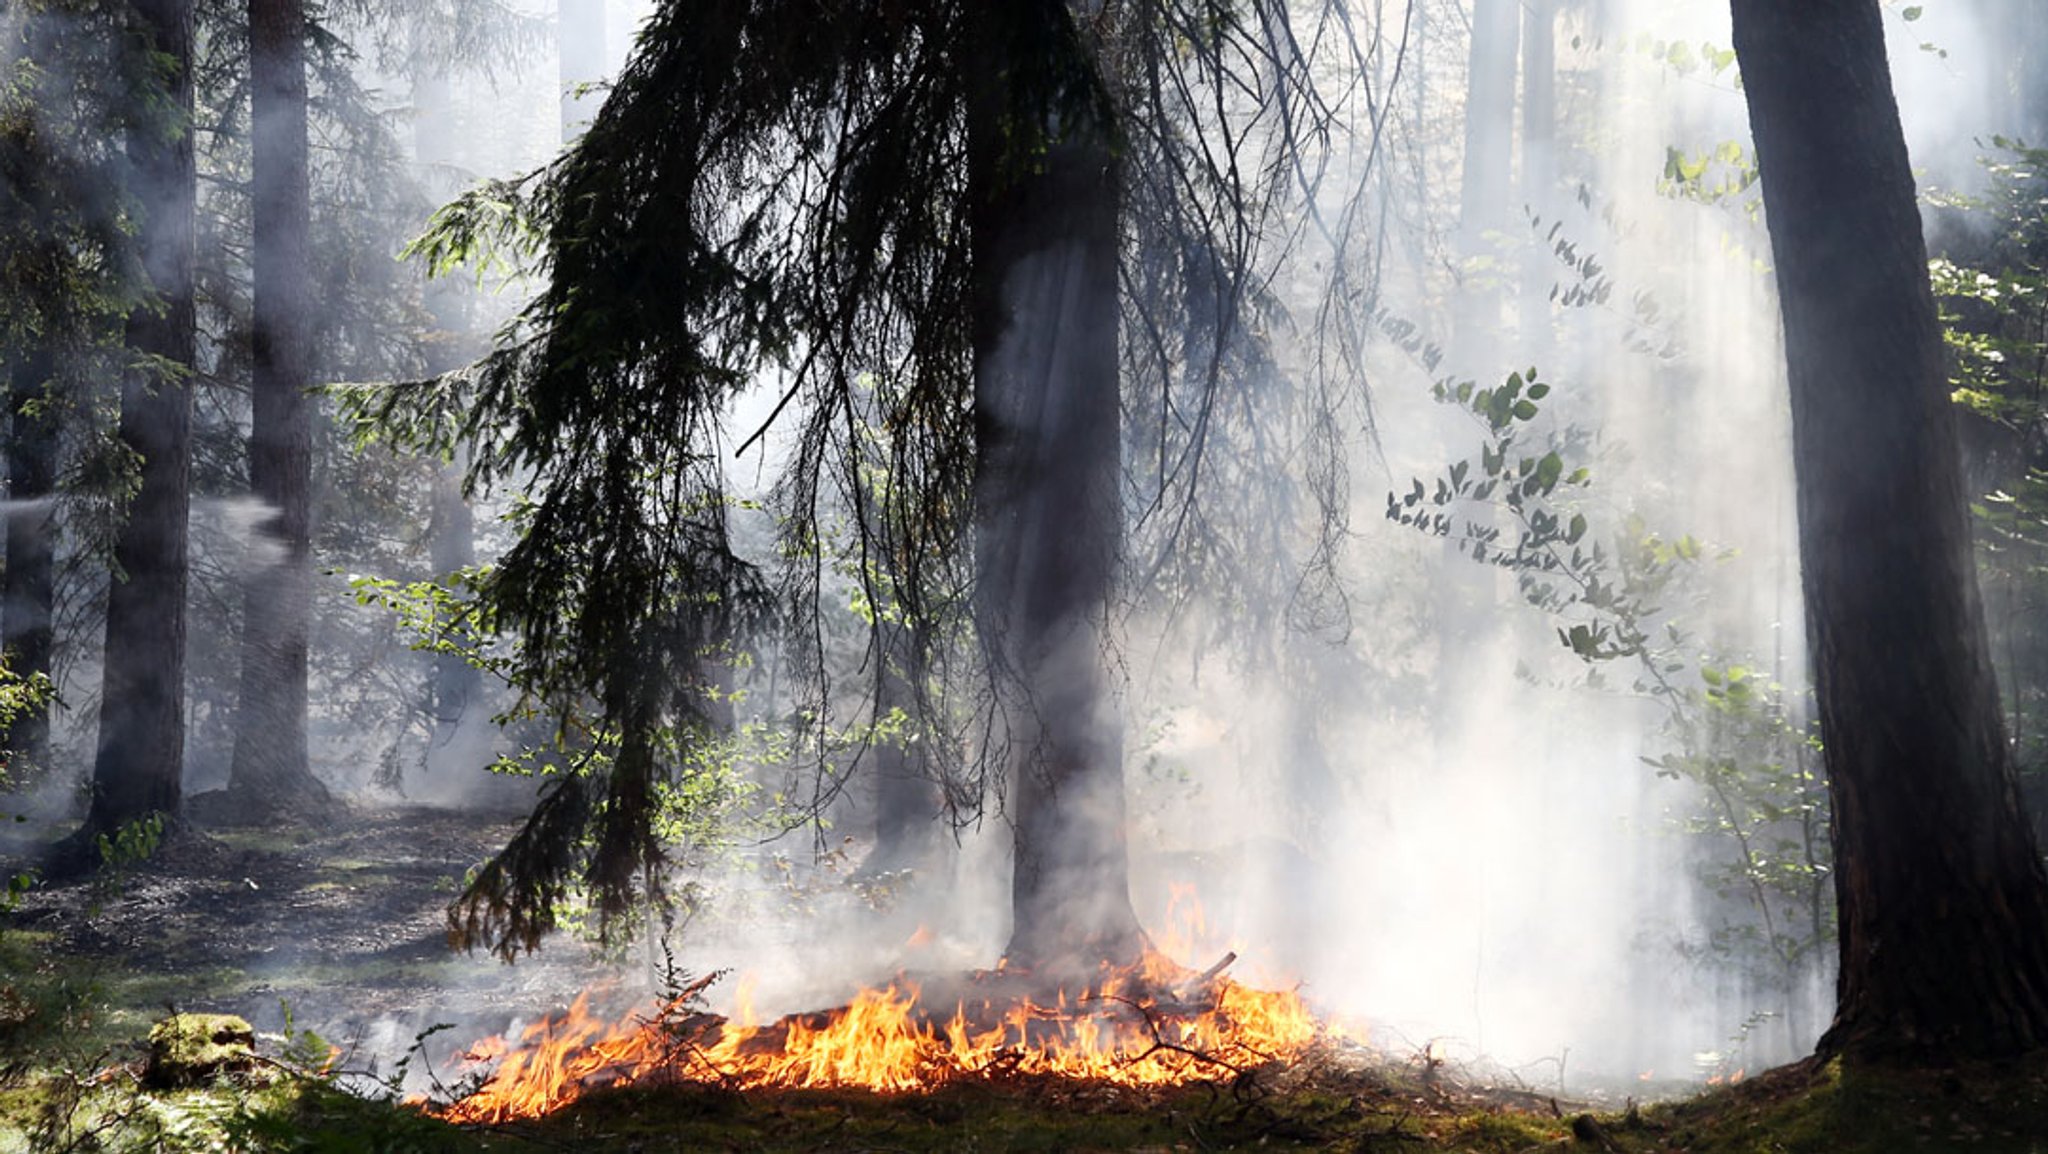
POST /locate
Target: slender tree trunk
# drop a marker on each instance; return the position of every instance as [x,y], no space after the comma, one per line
[270,774]
[1468,592]
[28,595]
[141,755]
[1486,190]
[451,531]
[1047,509]
[451,548]
[906,796]
[580,45]
[1539,169]
[1941,894]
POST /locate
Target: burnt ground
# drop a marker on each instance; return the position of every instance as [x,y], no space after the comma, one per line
[342,927]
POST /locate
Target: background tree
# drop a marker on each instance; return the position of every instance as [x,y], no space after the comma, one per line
[138,770]
[580,54]
[1942,898]
[270,774]
[857,260]
[66,272]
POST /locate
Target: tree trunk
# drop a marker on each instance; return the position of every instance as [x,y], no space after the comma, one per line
[451,530]
[580,48]
[28,595]
[451,547]
[270,775]
[1468,593]
[141,754]
[907,798]
[1539,170]
[1047,509]
[1941,895]
[1486,188]
[2016,85]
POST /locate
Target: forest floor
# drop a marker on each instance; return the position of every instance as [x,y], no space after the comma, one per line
[338,933]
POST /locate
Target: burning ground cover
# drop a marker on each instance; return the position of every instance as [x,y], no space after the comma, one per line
[987,1060]
[1154,1024]
[1165,1057]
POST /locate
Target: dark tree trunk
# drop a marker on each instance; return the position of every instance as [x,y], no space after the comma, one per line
[907,797]
[28,595]
[1047,509]
[141,754]
[270,776]
[1942,899]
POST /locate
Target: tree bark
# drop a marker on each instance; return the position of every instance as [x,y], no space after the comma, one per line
[28,594]
[138,768]
[1047,509]
[907,799]
[1942,900]
[270,775]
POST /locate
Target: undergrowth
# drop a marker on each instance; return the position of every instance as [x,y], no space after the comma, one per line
[1805,1109]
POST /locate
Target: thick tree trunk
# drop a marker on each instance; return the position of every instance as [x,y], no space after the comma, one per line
[1942,899]
[270,774]
[141,755]
[1048,515]
[28,587]
[2016,85]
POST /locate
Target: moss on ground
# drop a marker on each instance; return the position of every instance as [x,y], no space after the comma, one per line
[1825,1108]
[1805,1109]
[191,1049]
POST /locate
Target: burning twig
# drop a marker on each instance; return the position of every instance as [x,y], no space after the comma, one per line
[1159,1042]
[1221,965]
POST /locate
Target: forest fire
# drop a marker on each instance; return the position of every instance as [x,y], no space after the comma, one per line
[1153,1024]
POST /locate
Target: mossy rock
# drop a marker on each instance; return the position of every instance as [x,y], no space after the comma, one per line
[190,1049]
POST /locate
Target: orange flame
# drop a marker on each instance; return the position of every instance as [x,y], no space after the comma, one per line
[1134,1028]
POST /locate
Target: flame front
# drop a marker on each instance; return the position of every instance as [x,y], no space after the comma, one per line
[1132,1029]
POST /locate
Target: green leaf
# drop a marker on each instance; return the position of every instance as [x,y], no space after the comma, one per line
[1548,470]
[1525,410]
[1538,391]
[1912,12]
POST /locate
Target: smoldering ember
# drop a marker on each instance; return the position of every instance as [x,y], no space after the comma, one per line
[1059,575]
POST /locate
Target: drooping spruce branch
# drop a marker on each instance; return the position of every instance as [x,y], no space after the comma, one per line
[776,190]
